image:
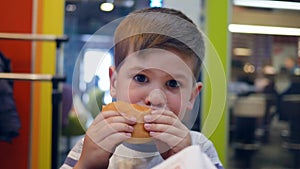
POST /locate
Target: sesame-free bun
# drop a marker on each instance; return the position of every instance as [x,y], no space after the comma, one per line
[139,135]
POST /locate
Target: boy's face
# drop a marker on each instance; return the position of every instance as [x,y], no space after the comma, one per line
[156,78]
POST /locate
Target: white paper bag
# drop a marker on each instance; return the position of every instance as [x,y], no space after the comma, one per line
[189,158]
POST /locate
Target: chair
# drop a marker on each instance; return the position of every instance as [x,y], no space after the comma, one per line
[246,111]
[270,112]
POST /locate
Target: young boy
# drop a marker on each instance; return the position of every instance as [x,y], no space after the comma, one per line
[158,54]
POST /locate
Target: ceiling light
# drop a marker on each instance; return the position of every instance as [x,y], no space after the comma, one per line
[267,30]
[249,68]
[156,3]
[107,6]
[242,52]
[268,4]
[71,7]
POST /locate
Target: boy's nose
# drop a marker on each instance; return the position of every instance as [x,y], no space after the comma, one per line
[156,99]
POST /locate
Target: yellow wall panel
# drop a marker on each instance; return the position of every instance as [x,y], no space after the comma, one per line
[50,16]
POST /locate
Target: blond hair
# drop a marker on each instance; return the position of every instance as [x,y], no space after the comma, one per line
[162,28]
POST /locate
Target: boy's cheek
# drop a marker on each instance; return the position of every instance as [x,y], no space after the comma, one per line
[136,95]
[175,105]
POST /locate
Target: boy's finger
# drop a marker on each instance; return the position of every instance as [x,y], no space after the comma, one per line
[98,135]
[164,112]
[104,115]
[169,139]
[109,114]
[120,119]
[153,127]
[110,142]
[158,118]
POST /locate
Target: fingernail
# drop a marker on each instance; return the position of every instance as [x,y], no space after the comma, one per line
[152,133]
[130,128]
[128,134]
[132,119]
[147,125]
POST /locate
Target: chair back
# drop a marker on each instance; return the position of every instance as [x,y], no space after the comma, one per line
[250,106]
[291,107]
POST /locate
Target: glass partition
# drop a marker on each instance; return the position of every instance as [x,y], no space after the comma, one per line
[264,89]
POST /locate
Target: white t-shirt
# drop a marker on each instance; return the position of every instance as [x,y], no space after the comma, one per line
[142,156]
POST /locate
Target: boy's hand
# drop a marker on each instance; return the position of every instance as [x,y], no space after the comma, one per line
[107,131]
[170,134]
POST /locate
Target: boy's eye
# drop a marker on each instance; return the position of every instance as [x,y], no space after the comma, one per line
[173,83]
[140,78]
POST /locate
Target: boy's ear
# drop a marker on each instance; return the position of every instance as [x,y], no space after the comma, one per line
[196,90]
[111,71]
[113,81]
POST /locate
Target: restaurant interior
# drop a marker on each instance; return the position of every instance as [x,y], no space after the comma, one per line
[60,53]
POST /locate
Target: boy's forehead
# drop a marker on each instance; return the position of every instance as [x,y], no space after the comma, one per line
[165,60]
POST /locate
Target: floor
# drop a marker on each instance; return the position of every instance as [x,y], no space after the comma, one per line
[271,155]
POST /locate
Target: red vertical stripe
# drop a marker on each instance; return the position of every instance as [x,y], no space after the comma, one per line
[16,17]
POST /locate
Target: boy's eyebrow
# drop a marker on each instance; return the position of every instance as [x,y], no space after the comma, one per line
[183,77]
[176,75]
[137,69]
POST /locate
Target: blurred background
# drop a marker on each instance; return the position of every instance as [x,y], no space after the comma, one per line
[257,43]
